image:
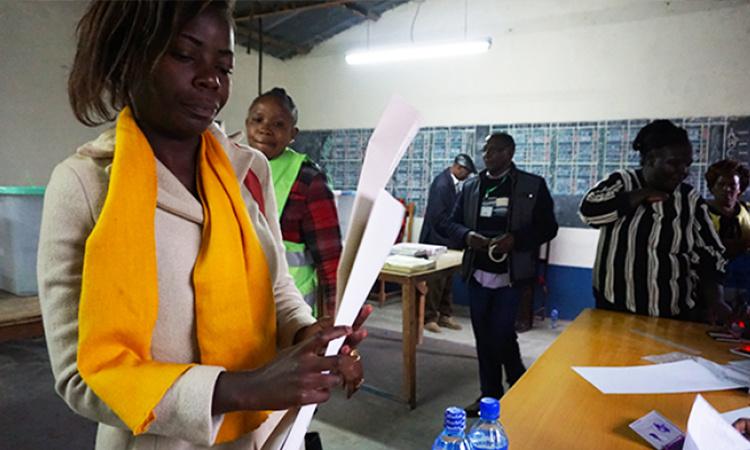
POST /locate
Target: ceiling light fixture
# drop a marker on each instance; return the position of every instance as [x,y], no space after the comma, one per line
[413,51]
[418,51]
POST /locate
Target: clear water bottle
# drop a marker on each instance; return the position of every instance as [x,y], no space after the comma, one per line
[553,316]
[453,437]
[487,432]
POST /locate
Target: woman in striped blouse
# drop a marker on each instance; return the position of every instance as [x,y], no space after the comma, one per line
[658,253]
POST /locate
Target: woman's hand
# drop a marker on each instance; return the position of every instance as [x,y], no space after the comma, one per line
[350,367]
[743,426]
[294,378]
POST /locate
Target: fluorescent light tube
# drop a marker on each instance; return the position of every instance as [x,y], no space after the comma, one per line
[418,51]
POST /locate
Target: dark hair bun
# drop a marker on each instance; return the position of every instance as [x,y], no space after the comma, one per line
[658,134]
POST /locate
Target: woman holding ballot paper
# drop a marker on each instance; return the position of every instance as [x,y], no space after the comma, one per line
[169,312]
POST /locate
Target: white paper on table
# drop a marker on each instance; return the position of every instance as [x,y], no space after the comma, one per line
[396,129]
[707,430]
[384,225]
[680,376]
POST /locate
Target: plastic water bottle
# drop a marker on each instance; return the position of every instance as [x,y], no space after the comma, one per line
[487,432]
[553,316]
[453,437]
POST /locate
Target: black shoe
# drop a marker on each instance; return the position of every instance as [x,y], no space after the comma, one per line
[312,441]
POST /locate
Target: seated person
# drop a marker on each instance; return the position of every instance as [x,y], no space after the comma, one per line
[656,240]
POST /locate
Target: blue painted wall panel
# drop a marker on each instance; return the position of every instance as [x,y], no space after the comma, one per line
[569,291]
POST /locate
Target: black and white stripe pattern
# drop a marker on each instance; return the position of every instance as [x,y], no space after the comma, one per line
[648,258]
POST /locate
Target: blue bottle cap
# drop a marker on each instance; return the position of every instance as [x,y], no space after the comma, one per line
[455,419]
[489,408]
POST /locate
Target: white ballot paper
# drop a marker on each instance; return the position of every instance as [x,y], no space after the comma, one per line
[707,430]
[681,376]
[373,228]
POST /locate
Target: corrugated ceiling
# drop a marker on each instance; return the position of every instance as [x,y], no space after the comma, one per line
[291,28]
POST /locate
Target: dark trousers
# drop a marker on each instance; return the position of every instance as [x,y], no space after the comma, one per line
[438,301]
[493,317]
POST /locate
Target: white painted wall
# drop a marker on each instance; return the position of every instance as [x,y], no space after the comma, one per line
[552,60]
[37,126]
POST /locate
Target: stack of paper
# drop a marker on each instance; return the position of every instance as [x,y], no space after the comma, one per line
[418,250]
[374,225]
[408,264]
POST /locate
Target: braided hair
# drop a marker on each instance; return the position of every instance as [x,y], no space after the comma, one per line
[659,134]
[118,44]
[285,99]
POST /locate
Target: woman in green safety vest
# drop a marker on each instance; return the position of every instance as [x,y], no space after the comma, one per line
[309,223]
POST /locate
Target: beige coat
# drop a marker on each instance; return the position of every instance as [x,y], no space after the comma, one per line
[72,204]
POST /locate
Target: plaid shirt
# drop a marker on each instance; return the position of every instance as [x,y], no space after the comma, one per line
[310,217]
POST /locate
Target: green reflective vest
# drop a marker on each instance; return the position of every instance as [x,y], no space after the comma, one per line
[284,171]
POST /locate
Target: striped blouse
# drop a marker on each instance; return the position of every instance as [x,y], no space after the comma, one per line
[649,259]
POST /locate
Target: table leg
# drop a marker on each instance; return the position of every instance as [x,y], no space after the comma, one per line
[421,293]
[410,337]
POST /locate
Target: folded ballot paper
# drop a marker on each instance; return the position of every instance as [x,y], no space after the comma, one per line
[374,226]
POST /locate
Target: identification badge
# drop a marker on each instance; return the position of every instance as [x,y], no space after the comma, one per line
[501,201]
[486,211]
[657,430]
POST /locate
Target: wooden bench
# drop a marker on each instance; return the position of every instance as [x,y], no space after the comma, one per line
[20,317]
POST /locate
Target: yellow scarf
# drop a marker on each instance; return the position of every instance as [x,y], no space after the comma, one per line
[234,307]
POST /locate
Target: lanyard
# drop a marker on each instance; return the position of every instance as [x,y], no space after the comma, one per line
[495,187]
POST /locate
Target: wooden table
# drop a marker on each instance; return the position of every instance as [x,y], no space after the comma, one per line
[413,311]
[552,407]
